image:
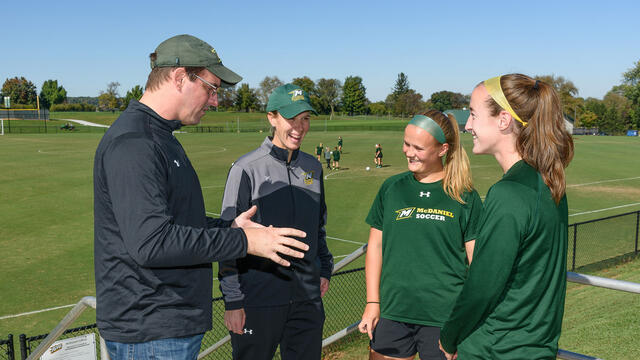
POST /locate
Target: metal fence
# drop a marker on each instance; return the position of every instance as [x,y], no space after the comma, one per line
[6,348]
[603,239]
[24,114]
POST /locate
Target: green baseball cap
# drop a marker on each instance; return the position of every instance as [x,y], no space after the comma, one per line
[187,50]
[289,100]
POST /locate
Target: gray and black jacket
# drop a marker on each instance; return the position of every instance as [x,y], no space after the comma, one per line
[153,243]
[287,195]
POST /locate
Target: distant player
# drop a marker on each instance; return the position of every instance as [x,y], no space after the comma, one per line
[378,157]
[336,158]
[327,157]
[340,143]
[319,149]
[423,228]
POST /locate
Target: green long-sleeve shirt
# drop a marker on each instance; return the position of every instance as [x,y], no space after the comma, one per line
[512,302]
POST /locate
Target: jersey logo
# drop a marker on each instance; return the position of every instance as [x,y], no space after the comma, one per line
[427,194]
[296,95]
[177,163]
[308,177]
[404,213]
[248,331]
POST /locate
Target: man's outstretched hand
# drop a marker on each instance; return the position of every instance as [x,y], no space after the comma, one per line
[270,242]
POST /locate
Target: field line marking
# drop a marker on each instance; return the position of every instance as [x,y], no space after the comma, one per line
[604,181]
[344,240]
[212,186]
[35,312]
[599,210]
[212,213]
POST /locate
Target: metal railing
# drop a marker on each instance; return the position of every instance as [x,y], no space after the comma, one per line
[72,315]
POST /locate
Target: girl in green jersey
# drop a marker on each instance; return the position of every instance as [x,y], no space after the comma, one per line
[512,302]
[423,224]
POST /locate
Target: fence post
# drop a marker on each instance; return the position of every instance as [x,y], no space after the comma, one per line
[637,228]
[575,233]
[11,354]
[23,346]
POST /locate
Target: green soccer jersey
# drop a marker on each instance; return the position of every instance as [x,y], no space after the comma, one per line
[336,155]
[319,150]
[512,302]
[423,247]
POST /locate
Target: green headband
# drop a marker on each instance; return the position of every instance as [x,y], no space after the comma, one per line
[430,126]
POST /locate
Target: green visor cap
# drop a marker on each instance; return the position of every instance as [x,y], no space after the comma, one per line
[289,100]
[427,123]
[187,50]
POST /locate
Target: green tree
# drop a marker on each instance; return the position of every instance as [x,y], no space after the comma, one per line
[310,87]
[378,108]
[631,83]
[328,92]
[409,103]
[21,91]
[567,92]
[402,85]
[226,98]
[446,100]
[247,99]
[135,93]
[52,94]
[109,99]
[617,117]
[267,85]
[354,96]
[588,119]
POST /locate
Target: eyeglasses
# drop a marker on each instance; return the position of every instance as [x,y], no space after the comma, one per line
[214,88]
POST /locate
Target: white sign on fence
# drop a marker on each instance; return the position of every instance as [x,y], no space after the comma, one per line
[77,348]
[7,102]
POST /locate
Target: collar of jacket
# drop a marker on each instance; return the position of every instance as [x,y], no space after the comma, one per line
[156,120]
[278,153]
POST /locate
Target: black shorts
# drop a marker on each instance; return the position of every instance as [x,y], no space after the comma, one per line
[399,339]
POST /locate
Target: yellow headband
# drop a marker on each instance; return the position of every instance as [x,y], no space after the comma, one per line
[495,90]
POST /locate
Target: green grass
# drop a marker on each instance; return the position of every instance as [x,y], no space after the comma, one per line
[46,210]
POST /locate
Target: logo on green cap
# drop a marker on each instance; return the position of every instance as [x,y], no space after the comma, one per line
[296,95]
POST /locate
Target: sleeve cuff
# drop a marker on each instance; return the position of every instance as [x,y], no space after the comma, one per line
[233,305]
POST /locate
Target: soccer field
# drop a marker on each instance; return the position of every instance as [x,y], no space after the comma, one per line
[46,209]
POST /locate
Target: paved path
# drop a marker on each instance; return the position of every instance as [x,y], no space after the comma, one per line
[82,122]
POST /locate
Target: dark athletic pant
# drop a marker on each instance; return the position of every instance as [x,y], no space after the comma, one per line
[297,327]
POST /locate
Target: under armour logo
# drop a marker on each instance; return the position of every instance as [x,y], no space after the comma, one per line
[267,178]
[427,194]
[248,331]
[177,163]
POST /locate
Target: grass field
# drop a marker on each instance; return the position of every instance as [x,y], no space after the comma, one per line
[46,217]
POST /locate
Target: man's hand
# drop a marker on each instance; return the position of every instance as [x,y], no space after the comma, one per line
[453,356]
[234,320]
[272,243]
[324,286]
[244,220]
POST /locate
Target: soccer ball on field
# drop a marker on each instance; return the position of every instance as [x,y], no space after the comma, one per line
[367,168]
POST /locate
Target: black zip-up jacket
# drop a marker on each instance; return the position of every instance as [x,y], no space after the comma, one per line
[287,195]
[154,244]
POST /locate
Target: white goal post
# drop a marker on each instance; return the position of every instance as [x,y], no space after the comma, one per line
[2,126]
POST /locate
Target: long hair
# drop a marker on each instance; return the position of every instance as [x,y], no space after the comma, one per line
[457,173]
[544,143]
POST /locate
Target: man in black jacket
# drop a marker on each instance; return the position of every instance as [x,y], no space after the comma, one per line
[154,244]
[266,304]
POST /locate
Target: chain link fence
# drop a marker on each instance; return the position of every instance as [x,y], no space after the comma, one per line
[603,239]
[6,348]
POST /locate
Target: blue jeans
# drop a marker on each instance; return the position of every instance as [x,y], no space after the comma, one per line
[185,348]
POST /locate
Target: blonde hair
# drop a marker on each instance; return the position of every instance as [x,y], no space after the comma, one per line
[457,172]
[544,143]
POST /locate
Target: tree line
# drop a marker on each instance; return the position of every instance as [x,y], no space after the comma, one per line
[616,112]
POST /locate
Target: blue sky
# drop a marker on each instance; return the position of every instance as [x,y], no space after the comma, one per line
[438,45]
